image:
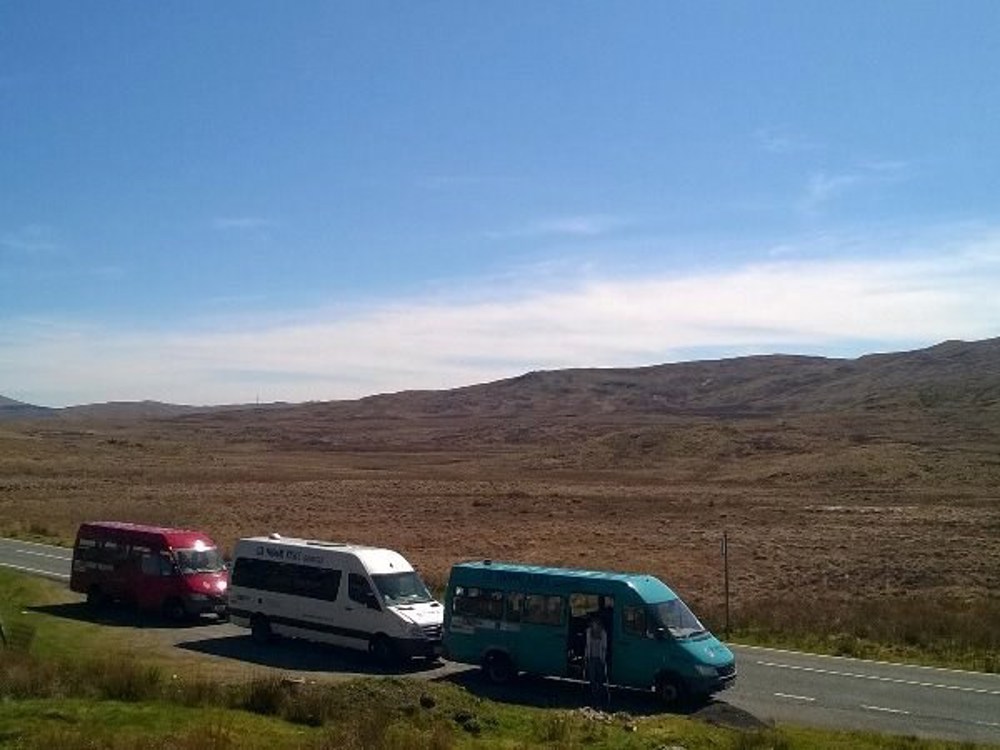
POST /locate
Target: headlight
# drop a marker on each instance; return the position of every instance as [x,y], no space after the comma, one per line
[416,631]
[706,671]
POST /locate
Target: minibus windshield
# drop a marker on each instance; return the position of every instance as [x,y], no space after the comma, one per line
[679,621]
[199,560]
[402,588]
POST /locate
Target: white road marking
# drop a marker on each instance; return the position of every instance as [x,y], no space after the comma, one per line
[866,661]
[886,710]
[36,544]
[43,554]
[795,697]
[987,723]
[48,573]
[877,678]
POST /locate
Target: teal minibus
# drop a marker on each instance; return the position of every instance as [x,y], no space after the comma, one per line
[512,618]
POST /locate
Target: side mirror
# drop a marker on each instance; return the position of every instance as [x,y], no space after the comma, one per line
[660,633]
[372,601]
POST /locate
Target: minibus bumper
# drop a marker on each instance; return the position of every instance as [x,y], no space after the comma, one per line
[203,604]
[411,648]
[724,678]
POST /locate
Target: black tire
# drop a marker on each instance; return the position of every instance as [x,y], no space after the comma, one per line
[96,598]
[498,668]
[671,691]
[174,610]
[260,630]
[382,650]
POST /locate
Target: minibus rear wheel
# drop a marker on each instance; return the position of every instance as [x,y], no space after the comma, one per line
[498,667]
[95,597]
[260,629]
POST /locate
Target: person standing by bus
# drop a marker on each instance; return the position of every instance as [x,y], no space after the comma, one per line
[596,658]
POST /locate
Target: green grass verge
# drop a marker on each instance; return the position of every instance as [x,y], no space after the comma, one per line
[35,532]
[22,602]
[934,632]
[427,718]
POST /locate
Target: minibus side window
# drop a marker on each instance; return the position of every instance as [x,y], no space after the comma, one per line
[360,591]
[150,564]
[583,605]
[278,578]
[87,549]
[634,621]
[462,602]
[317,583]
[475,602]
[166,564]
[114,553]
[515,603]
[543,609]
[248,572]
[331,585]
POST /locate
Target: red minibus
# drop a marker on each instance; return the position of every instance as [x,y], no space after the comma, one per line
[174,571]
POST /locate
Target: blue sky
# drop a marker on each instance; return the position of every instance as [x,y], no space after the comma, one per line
[220,202]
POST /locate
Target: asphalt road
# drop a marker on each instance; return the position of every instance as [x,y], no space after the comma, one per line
[37,559]
[773,685]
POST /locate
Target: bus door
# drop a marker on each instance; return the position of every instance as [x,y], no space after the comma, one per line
[157,577]
[584,607]
[129,575]
[636,660]
[363,615]
[542,642]
[117,580]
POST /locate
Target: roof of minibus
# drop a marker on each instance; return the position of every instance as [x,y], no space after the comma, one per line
[376,560]
[174,538]
[650,588]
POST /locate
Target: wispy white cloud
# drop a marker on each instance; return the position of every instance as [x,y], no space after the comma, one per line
[448,181]
[242,222]
[931,294]
[574,225]
[822,188]
[784,141]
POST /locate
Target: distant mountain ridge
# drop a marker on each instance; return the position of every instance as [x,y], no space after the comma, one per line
[114,410]
[11,409]
[953,373]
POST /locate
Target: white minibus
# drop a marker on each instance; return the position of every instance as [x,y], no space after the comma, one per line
[344,594]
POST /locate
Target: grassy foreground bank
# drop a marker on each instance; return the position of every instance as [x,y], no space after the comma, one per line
[129,706]
[68,685]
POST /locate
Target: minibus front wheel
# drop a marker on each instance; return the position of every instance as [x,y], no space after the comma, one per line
[383,651]
[174,610]
[671,690]
[498,667]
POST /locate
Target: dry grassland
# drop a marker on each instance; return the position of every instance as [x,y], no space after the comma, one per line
[794,534]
